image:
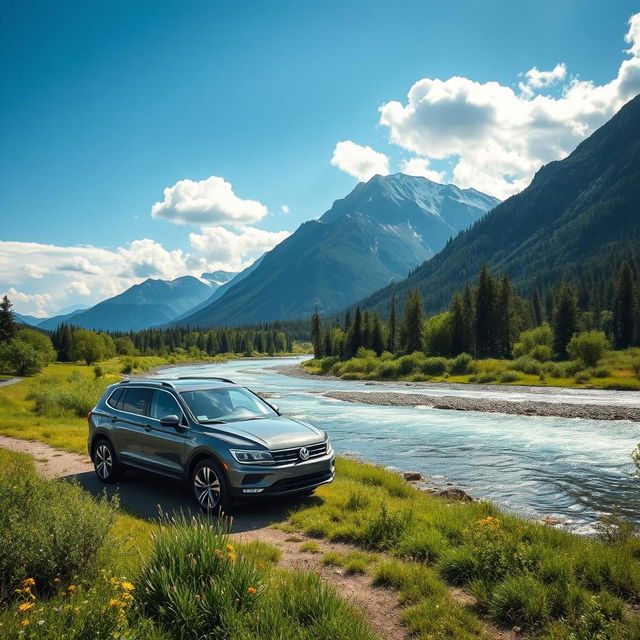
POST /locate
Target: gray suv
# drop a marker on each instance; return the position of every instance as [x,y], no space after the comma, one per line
[223,439]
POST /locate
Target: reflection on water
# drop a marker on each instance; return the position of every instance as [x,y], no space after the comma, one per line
[569,469]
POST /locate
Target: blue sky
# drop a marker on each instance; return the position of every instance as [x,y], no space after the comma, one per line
[106,104]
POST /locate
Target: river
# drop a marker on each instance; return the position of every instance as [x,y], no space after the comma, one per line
[572,470]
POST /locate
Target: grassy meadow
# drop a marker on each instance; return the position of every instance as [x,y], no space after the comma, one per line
[615,370]
[546,582]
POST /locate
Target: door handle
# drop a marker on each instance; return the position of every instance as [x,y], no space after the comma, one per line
[114,419]
[147,427]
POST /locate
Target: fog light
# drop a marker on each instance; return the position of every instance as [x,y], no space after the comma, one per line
[252,490]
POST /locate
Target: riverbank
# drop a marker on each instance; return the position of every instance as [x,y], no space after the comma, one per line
[541,407]
[457,403]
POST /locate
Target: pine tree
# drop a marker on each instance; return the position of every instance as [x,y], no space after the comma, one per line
[504,319]
[565,320]
[413,323]
[354,341]
[377,339]
[457,325]
[624,308]
[8,326]
[536,308]
[316,334]
[469,311]
[485,314]
[392,340]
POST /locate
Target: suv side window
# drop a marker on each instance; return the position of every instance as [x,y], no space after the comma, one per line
[164,404]
[115,398]
[136,401]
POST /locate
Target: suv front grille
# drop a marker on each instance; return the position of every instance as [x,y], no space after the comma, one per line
[290,456]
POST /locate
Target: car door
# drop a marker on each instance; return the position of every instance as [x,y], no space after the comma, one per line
[165,447]
[130,424]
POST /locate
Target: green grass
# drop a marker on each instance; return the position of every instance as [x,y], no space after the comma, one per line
[617,370]
[311,546]
[521,573]
[351,562]
[76,568]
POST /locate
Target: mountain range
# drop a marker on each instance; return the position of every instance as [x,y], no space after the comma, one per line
[578,214]
[377,234]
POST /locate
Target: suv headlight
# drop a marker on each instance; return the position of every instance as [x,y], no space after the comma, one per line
[252,457]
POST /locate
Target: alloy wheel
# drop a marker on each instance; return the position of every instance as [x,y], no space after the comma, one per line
[207,488]
[103,461]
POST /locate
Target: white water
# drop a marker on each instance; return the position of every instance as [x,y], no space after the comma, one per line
[571,469]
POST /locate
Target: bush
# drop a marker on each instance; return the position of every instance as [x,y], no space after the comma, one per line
[434,366]
[77,398]
[582,376]
[521,601]
[529,341]
[541,353]
[562,369]
[527,364]
[410,363]
[386,528]
[588,347]
[600,372]
[461,364]
[509,376]
[49,530]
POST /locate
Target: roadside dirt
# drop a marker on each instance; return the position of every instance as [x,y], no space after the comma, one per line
[143,496]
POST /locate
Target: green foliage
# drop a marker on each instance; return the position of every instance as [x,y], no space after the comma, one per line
[565,320]
[28,352]
[461,364]
[434,366]
[588,347]
[55,399]
[49,531]
[438,334]
[536,343]
[8,326]
[412,333]
[195,584]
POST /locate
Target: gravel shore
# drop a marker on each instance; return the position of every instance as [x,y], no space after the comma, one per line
[456,403]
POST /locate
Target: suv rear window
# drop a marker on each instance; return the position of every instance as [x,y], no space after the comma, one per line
[135,401]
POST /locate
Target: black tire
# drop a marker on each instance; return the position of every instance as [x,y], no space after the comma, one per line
[210,488]
[105,462]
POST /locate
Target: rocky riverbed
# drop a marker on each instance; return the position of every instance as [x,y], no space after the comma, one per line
[457,403]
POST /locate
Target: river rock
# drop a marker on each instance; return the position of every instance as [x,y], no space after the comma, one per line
[412,476]
[455,494]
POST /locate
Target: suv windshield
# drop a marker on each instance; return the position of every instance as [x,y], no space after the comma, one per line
[226,404]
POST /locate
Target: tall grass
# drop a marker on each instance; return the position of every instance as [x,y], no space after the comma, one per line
[49,530]
[521,573]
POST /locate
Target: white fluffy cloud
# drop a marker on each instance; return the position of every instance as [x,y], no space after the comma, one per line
[221,248]
[420,167]
[499,137]
[206,202]
[358,161]
[41,278]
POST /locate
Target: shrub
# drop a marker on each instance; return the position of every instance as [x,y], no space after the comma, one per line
[509,376]
[588,347]
[98,371]
[635,367]
[541,353]
[427,545]
[389,369]
[386,528]
[410,363]
[28,353]
[77,398]
[434,366]
[49,530]
[527,364]
[582,376]
[600,372]
[529,340]
[522,601]
[461,364]
[562,369]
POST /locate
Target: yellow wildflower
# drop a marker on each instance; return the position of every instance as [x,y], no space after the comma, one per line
[229,547]
[24,622]
[115,602]
[127,586]
[25,606]
[71,587]
[252,590]
[29,582]
[232,556]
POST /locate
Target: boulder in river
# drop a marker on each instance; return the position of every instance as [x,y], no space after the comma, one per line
[455,494]
[412,476]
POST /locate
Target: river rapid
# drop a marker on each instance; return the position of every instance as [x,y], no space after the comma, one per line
[572,470]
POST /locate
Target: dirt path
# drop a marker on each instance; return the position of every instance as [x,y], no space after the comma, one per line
[6,383]
[142,495]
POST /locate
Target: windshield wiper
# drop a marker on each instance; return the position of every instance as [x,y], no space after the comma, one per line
[211,421]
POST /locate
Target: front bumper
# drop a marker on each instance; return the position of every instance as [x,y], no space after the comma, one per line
[254,480]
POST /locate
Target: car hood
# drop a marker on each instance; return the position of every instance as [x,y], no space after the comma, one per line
[275,433]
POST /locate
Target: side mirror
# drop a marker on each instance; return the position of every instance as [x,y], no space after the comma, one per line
[170,421]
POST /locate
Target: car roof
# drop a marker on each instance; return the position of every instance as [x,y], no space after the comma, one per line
[182,383]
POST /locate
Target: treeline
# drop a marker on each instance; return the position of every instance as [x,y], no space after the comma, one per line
[74,344]
[485,319]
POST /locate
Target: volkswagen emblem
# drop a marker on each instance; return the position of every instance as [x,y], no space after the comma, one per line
[304,453]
